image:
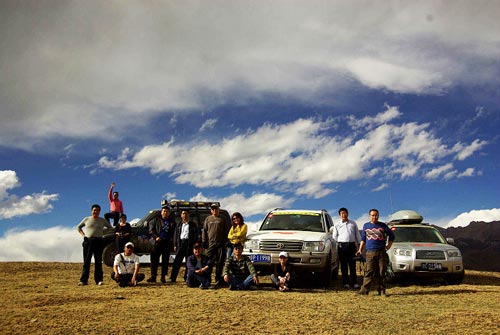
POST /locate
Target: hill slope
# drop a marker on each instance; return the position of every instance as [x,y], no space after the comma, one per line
[479,243]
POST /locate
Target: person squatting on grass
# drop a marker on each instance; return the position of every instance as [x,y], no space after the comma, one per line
[283,277]
[199,268]
[374,236]
[92,244]
[126,267]
[239,272]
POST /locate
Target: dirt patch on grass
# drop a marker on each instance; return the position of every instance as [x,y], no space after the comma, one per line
[43,298]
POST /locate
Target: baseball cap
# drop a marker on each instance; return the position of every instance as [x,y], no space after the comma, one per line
[214,205]
[129,244]
[284,254]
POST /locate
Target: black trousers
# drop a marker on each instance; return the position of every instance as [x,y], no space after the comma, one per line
[161,249]
[92,246]
[185,249]
[125,278]
[114,215]
[347,254]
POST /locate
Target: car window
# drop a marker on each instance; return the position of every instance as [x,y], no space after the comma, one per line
[301,222]
[417,234]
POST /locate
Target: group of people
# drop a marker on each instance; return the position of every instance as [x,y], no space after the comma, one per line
[224,242]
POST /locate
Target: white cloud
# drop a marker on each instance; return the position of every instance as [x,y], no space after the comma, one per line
[131,61]
[303,156]
[12,205]
[486,215]
[55,244]
[465,151]
[208,124]
[258,203]
[381,187]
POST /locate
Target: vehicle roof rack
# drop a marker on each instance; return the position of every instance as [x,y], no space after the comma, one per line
[182,204]
[406,217]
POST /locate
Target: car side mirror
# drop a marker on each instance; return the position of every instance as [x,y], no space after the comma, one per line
[450,240]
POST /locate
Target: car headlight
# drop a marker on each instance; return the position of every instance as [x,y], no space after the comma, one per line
[401,252]
[252,244]
[454,253]
[313,246]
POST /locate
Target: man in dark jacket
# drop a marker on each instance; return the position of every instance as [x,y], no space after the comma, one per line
[185,235]
[162,231]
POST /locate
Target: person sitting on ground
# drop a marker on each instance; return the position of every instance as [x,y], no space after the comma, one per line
[199,268]
[126,267]
[284,276]
[239,272]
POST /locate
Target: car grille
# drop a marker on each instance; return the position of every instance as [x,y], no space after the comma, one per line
[430,254]
[281,245]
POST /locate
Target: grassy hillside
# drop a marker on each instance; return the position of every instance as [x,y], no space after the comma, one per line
[43,298]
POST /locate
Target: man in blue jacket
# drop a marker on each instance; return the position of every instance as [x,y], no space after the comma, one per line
[374,236]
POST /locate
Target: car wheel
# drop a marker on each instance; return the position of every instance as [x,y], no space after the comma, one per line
[326,275]
[109,253]
[390,276]
[455,279]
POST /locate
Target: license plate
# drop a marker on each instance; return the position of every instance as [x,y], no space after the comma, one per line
[260,258]
[432,266]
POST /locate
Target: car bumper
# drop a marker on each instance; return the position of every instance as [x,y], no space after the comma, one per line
[420,266]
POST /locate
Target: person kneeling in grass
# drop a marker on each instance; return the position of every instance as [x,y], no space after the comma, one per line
[239,272]
[126,267]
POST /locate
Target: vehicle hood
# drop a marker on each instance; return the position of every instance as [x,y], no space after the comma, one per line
[291,235]
[423,246]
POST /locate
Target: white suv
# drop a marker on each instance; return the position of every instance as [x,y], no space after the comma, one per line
[304,234]
[419,250]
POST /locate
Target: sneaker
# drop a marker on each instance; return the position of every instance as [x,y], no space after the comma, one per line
[171,281]
[356,286]
[82,283]
[100,283]
[151,280]
[346,286]
[360,292]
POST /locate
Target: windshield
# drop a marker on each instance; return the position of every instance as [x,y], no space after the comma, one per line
[294,221]
[417,234]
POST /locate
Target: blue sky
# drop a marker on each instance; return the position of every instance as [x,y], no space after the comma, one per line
[256,104]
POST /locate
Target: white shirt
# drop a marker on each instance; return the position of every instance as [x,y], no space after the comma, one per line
[185,231]
[346,231]
[127,264]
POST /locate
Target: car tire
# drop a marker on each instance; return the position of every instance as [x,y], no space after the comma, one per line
[326,275]
[455,279]
[108,254]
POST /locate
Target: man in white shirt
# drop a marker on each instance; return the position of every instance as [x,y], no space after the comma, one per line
[347,235]
[126,267]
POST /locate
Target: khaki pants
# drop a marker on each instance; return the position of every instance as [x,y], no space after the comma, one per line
[376,264]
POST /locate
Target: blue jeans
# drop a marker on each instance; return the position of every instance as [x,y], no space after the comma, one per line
[236,283]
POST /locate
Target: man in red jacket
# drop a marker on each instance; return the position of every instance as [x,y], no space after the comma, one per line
[115,206]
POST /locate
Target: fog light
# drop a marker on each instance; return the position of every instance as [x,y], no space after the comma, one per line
[315,260]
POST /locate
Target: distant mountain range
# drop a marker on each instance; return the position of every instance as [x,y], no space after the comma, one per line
[479,243]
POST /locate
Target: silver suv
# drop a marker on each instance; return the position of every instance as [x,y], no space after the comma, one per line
[419,250]
[304,234]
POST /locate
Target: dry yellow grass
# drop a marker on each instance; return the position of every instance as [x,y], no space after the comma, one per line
[43,298]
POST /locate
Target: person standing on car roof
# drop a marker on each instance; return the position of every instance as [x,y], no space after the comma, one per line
[92,244]
[375,235]
[162,232]
[185,236]
[215,230]
[347,236]
[115,206]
